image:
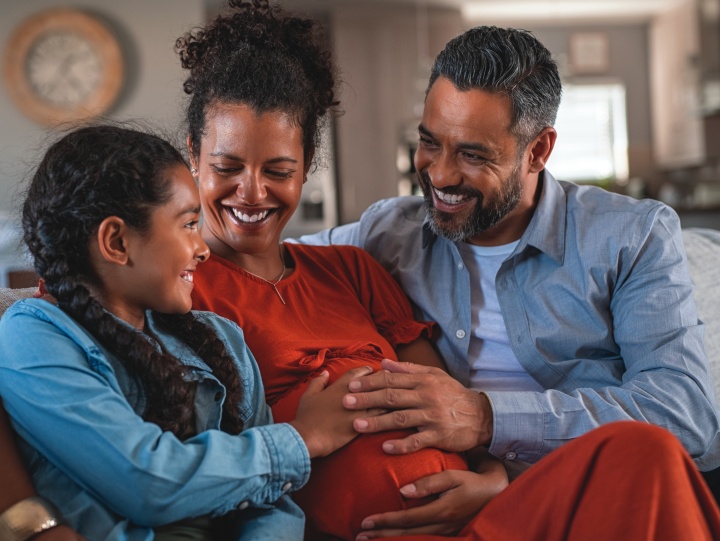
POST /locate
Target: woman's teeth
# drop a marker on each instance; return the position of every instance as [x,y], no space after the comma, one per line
[187,276]
[250,218]
[449,199]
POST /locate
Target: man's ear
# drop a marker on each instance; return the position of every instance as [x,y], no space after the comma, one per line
[112,239]
[540,149]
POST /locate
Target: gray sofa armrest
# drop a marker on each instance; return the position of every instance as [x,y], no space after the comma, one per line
[9,296]
[703,253]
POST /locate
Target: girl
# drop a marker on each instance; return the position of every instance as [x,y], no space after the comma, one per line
[138,418]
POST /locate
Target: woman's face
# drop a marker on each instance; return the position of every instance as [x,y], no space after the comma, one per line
[251,171]
[161,260]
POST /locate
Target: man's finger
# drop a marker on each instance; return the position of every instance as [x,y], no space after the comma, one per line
[396,367]
[385,398]
[393,420]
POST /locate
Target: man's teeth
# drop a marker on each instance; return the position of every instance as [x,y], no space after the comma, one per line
[250,218]
[449,199]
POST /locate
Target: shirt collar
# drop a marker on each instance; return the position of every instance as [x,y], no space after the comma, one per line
[546,230]
[547,227]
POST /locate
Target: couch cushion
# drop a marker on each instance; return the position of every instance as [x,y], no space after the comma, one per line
[703,253]
[9,296]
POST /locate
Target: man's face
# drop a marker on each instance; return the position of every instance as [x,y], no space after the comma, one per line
[469,167]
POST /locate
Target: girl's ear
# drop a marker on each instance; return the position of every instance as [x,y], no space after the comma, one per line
[112,239]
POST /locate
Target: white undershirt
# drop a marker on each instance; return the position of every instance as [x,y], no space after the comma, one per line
[493,365]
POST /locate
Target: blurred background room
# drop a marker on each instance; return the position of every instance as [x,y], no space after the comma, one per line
[640,112]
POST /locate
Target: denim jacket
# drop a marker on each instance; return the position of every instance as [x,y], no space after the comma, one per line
[599,309]
[115,476]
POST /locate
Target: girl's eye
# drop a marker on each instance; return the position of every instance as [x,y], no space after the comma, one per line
[192,225]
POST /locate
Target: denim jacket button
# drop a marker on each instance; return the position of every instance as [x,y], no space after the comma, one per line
[244,505]
[287,486]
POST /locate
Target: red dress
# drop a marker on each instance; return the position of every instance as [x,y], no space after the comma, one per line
[342,311]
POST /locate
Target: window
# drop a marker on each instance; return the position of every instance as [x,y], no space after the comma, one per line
[592,134]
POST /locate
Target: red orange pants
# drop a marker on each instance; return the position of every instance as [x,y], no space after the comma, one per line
[626,481]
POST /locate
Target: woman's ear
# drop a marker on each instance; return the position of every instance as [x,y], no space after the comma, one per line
[193,162]
[541,148]
[112,240]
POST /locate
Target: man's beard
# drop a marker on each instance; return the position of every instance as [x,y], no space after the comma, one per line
[483,216]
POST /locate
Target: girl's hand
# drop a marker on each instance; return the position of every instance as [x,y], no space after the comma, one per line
[322,421]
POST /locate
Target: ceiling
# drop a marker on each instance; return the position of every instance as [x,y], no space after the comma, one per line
[521,10]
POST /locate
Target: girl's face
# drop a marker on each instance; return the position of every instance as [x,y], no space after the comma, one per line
[161,261]
[251,171]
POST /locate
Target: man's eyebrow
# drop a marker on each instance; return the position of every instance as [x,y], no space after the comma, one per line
[477,147]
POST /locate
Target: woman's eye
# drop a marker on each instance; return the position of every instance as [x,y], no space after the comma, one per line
[280,174]
[224,170]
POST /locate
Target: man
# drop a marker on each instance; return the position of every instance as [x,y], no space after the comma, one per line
[566,307]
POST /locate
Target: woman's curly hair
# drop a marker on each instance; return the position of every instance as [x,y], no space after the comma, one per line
[261,56]
[88,175]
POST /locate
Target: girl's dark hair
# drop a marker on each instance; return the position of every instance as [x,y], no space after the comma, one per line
[88,175]
[263,57]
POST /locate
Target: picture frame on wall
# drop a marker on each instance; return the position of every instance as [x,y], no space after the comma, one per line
[589,53]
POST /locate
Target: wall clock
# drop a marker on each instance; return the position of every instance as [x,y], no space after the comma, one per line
[63,65]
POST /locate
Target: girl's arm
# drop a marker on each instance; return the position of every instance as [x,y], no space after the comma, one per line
[16,482]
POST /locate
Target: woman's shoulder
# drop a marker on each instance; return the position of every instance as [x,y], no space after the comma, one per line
[332,252]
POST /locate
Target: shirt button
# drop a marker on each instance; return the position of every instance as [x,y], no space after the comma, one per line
[244,505]
[218,396]
[510,455]
[460,333]
[287,486]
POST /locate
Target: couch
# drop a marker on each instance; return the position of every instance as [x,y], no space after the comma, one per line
[703,253]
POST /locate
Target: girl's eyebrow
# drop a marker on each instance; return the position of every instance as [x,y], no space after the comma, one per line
[190,210]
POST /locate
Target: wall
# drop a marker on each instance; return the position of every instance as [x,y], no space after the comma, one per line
[152,91]
[153,88]
[628,63]
[384,82]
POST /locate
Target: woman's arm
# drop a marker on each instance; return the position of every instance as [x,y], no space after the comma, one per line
[16,482]
[420,351]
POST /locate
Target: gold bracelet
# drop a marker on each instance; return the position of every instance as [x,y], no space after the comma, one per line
[27,518]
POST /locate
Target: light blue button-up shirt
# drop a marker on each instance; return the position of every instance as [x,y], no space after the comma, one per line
[598,306]
[115,476]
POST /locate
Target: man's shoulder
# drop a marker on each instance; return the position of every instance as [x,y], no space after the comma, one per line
[410,209]
[596,200]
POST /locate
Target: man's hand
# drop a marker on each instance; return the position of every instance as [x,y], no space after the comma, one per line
[462,494]
[447,415]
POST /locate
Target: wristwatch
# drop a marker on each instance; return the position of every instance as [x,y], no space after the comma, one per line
[27,518]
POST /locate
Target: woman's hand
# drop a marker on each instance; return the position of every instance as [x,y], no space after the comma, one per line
[321,420]
[461,496]
[59,533]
